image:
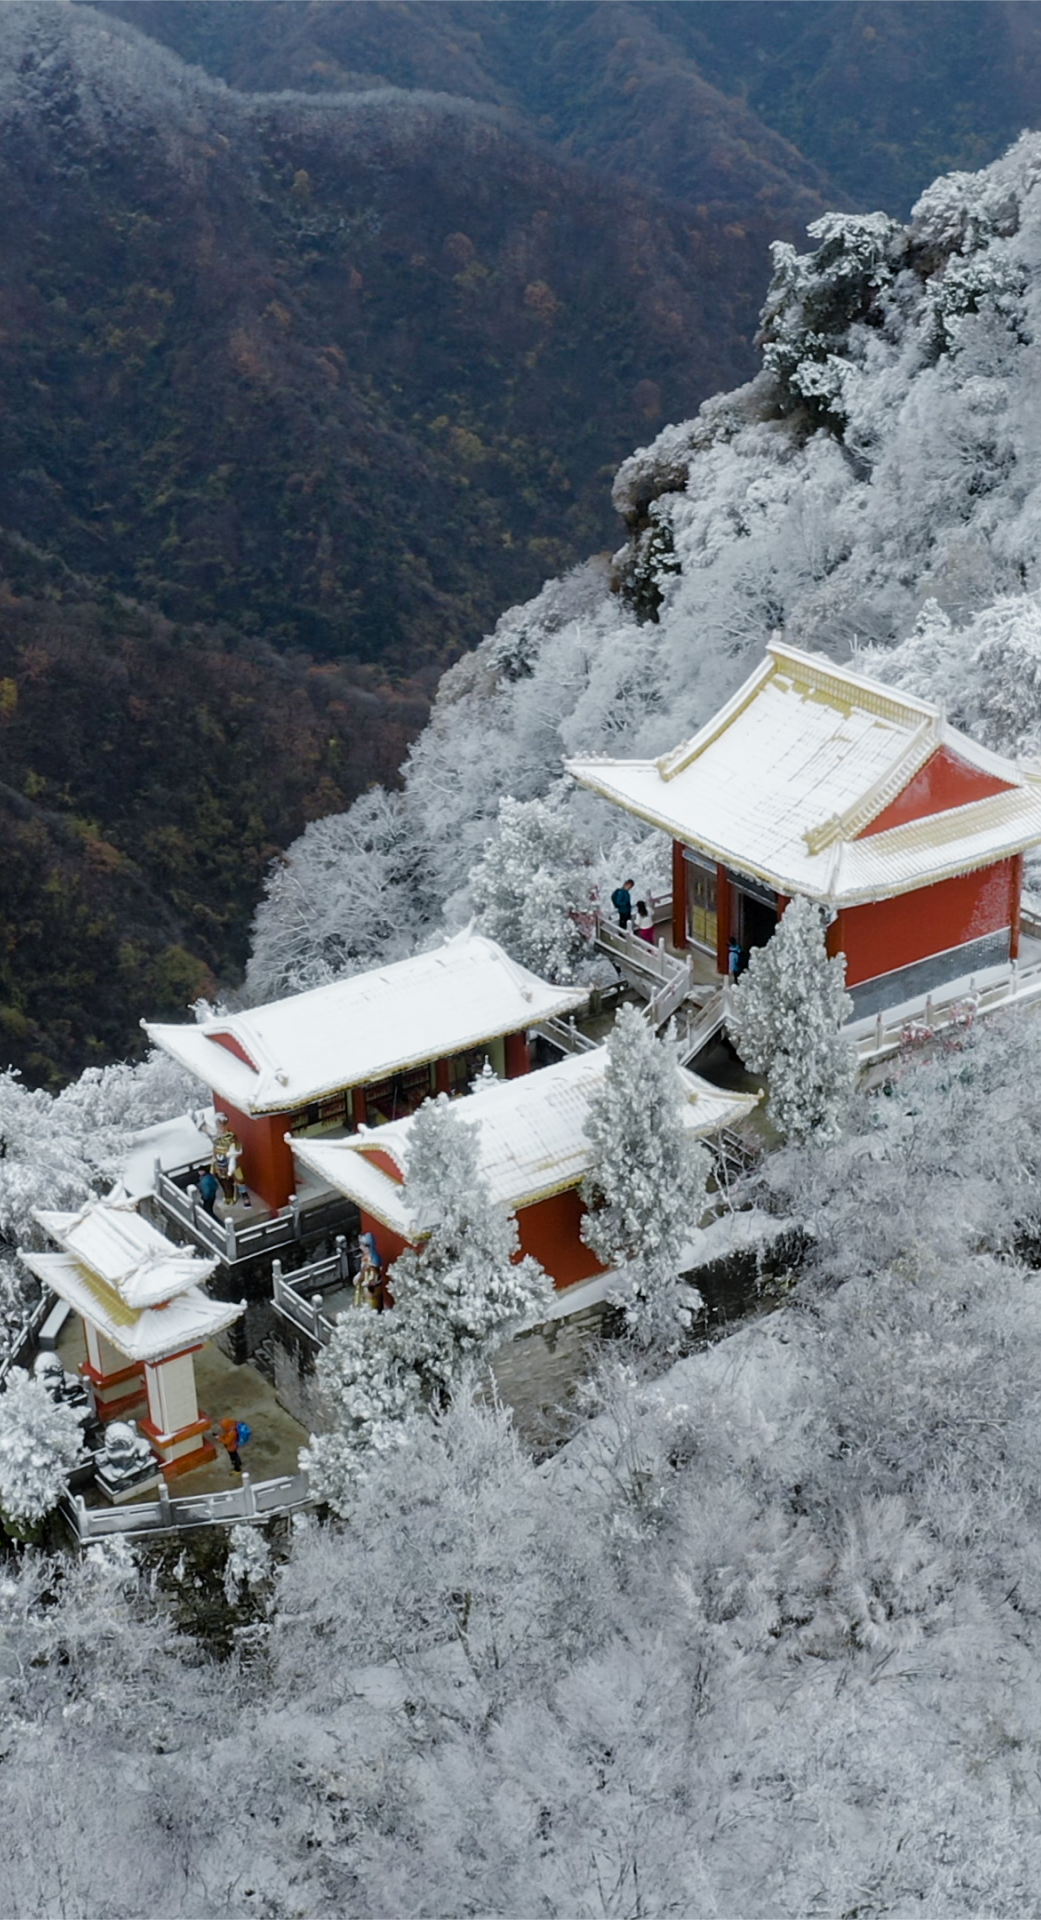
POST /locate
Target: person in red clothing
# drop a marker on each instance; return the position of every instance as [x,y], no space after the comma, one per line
[229,1439]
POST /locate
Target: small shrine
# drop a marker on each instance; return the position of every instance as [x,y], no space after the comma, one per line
[815,780]
[533,1152]
[145,1316]
[361,1051]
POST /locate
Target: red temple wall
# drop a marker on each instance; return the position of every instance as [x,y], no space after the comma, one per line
[267,1162]
[945,781]
[885,934]
[549,1231]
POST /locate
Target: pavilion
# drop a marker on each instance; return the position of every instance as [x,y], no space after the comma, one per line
[363,1050]
[532,1151]
[144,1317]
[814,780]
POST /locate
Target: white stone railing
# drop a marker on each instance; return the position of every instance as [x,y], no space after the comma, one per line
[173,1513]
[565,1035]
[299,1295]
[236,1241]
[17,1338]
[955,1006]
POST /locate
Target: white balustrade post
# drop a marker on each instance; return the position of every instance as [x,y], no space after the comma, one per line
[165,1503]
[340,1244]
[878,1031]
[928,1009]
[250,1504]
[229,1239]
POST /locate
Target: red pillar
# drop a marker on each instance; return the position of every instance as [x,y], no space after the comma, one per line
[723,892]
[834,937]
[782,902]
[517,1061]
[1017,889]
[441,1080]
[679,897]
[359,1107]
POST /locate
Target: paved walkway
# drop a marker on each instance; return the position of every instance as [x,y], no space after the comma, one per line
[241,1392]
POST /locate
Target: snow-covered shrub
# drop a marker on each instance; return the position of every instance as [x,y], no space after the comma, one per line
[785,1020]
[646,1183]
[248,1568]
[815,298]
[528,885]
[40,1443]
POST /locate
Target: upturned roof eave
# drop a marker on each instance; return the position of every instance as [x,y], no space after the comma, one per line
[287,1102]
[788,884]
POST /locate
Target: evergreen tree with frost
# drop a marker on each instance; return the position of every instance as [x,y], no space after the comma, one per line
[370,1397]
[458,1297]
[463,1292]
[527,885]
[646,1185]
[40,1443]
[787,1012]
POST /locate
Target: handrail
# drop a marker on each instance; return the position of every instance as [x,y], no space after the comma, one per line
[565,1035]
[172,1513]
[947,1011]
[22,1334]
[233,1241]
[288,1290]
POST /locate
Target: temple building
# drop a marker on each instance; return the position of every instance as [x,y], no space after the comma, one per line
[532,1151]
[363,1050]
[144,1317]
[814,780]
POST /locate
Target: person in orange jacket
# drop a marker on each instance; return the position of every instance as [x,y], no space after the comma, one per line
[229,1439]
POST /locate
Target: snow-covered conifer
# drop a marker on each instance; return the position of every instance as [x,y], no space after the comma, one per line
[40,1443]
[527,885]
[786,1016]
[457,1298]
[370,1397]
[463,1292]
[646,1185]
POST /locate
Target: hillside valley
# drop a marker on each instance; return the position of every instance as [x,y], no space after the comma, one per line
[323,331]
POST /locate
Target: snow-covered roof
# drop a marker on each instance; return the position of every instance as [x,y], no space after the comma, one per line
[151,1333]
[365,1027]
[529,1135]
[131,1257]
[797,765]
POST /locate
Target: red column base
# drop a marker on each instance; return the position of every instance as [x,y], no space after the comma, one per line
[115,1393]
[183,1450]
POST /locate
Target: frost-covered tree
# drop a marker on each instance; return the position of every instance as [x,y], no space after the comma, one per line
[458,1297]
[646,1183]
[785,1021]
[463,1291]
[371,1400]
[528,884]
[248,1567]
[40,1443]
[349,893]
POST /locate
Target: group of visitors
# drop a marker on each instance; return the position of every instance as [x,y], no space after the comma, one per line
[639,917]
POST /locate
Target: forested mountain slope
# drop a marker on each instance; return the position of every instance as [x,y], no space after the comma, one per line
[149,772]
[884,465]
[703,99]
[349,371]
